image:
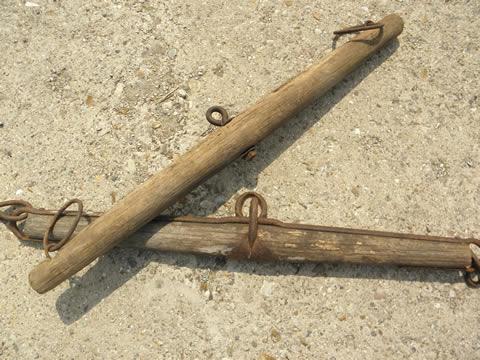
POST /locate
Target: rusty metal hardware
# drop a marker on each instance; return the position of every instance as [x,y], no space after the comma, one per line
[257,215]
[368,25]
[472,273]
[224,118]
[21,210]
[250,153]
[14,217]
[47,247]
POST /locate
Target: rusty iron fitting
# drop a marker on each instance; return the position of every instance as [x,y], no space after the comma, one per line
[49,247]
[249,154]
[472,273]
[11,217]
[224,118]
[368,25]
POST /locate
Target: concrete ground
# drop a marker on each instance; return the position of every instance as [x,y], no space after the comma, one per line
[96,96]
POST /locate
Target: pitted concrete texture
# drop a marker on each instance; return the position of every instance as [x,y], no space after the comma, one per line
[96,96]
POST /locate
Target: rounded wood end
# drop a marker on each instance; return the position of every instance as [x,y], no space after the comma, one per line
[394,21]
[39,277]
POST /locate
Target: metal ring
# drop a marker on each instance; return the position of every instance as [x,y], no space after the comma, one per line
[368,25]
[13,225]
[472,273]
[14,217]
[251,194]
[253,221]
[219,110]
[47,247]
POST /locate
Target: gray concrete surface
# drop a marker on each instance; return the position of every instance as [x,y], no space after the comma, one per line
[394,147]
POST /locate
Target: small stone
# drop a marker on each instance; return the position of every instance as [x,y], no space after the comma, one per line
[288,2]
[275,335]
[452,294]
[163,149]
[1,125]
[203,286]
[355,190]
[379,295]
[317,15]
[342,317]
[303,341]
[118,90]
[100,126]
[31,4]
[265,356]
[201,70]
[74,282]
[219,70]
[140,73]
[423,74]
[167,105]
[468,162]
[356,131]
[103,128]
[19,192]
[123,110]
[172,53]
[267,288]
[89,101]
[318,31]
[131,167]
[208,295]
[182,93]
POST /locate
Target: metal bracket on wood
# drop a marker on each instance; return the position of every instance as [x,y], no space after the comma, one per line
[256,236]
[224,119]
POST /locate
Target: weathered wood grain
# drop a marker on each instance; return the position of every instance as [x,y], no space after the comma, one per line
[276,243]
[213,153]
